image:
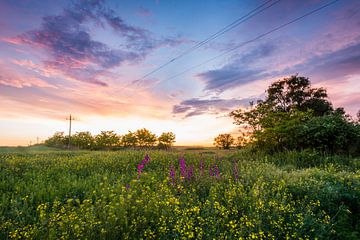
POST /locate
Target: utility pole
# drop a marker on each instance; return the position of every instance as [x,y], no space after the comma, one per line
[70,119]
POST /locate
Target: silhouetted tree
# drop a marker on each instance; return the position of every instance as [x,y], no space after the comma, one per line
[224,141]
[291,107]
[166,140]
[129,140]
[145,138]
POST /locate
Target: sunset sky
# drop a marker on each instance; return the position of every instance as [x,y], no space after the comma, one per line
[89,58]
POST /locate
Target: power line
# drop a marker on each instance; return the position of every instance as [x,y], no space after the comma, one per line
[253,40]
[225,29]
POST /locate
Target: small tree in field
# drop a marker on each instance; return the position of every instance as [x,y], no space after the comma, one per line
[224,141]
[145,138]
[129,140]
[83,140]
[56,140]
[107,139]
[166,140]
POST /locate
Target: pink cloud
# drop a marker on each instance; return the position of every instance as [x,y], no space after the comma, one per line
[13,78]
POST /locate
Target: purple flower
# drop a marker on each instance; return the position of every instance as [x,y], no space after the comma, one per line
[214,171]
[172,174]
[140,168]
[182,165]
[142,164]
[190,172]
[127,186]
[146,159]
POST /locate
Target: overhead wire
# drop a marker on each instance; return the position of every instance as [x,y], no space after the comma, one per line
[253,40]
[225,29]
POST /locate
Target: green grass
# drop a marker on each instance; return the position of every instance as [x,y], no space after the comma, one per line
[52,194]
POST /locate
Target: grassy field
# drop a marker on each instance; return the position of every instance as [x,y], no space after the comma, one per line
[180,194]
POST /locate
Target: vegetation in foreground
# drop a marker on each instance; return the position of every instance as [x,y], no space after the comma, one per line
[125,195]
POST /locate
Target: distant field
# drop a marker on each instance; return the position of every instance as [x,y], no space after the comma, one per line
[208,194]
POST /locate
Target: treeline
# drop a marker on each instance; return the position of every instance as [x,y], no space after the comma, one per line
[108,140]
[295,116]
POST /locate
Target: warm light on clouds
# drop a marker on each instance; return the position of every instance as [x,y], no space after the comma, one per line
[88,58]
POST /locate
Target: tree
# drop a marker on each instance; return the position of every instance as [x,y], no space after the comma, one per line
[224,141]
[331,133]
[56,140]
[129,140]
[295,93]
[83,140]
[243,139]
[278,122]
[107,139]
[166,140]
[145,138]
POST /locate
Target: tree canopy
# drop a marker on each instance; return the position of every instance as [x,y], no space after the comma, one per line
[111,140]
[224,140]
[296,116]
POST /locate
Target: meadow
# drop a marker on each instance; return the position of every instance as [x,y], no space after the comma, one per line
[177,194]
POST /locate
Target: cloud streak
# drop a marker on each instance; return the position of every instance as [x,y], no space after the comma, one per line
[240,71]
[195,106]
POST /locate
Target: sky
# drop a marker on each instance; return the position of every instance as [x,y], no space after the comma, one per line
[125,65]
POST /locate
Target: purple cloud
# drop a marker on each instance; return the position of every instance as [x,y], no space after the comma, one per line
[196,106]
[239,71]
[73,51]
[332,65]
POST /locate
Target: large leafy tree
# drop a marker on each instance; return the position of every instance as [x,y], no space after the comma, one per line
[295,93]
[279,121]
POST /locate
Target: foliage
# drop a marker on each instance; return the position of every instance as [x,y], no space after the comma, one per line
[224,141]
[296,116]
[129,140]
[110,140]
[83,140]
[107,140]
[100,195]
[145,138]
[332,133]
[57,140]
[166,140]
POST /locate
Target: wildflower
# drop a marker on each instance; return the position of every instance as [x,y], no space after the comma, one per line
[127,186]
[182,165]
[214,171]
[172,174]
[139,168]
[146,159]
[190,172]
[142,164]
